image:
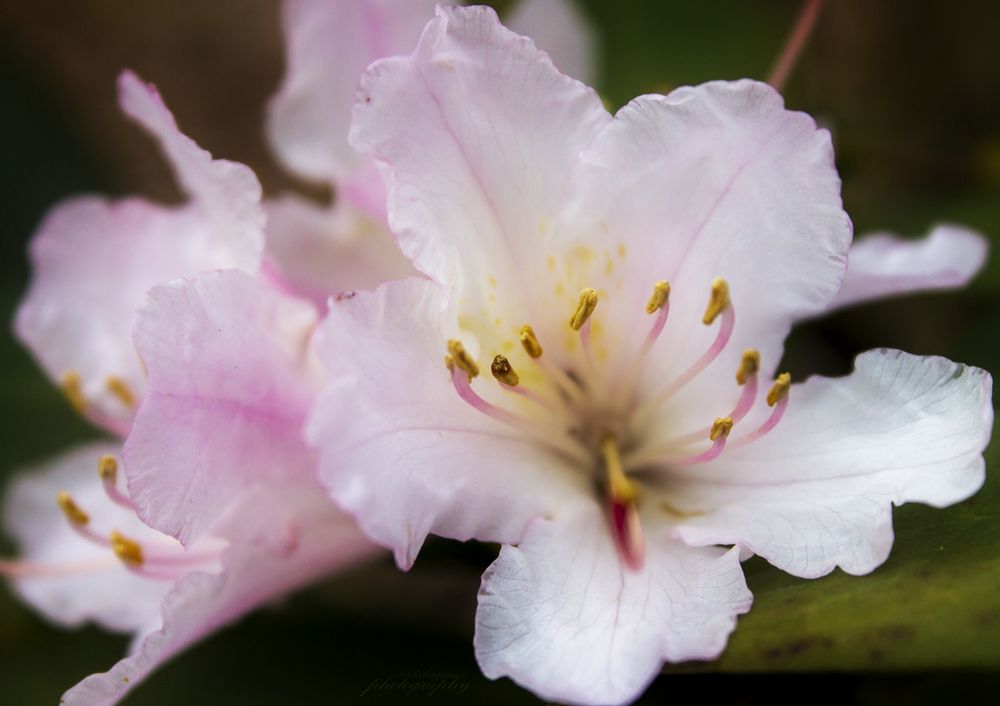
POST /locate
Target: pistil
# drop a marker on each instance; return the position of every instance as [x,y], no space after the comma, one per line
[623,496]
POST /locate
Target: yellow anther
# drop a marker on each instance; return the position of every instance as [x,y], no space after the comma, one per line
[720,427]
[120,389]
[661,293]
[502,371]
[72,511]
[779,389]
[72,386]
[128,550]
[461,359]
[718,302]
[107,468]
[529,341]
[584,308]
[620,488]
[749,365]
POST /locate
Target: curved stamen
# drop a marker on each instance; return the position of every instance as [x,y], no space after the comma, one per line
[564,384]
[777,397]
[107,469]
[718,434]
[746,376]
[79,520]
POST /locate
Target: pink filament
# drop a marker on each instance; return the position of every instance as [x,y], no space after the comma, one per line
[533,396]
[796,41]
[772,421]
[116,496]
[713,452]
[90,535]
[460,379]
[33,570]
[747,398]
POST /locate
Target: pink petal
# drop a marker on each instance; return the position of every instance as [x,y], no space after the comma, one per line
[476,134]
[227,192]
[400,450]
[561,616]
[321,252]
[884,265]
[329,44]
[817,492]
[252,574]
[230,381]
[87,582]
[559,28]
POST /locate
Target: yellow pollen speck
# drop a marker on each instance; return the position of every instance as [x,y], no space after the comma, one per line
[72,387]
[779,389]
[504,372]
[530,342]
[120,389]
[622,250]
[128,550]
[107,468]
[661,293]
[609,264]
[72,511]
[460,359]
[550,261]
[749,365]
[560,289]
[720,427]
[584,308]
[492,280]
[718,302]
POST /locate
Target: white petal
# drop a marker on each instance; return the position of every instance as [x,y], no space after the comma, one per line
[817,492]
[559,28]
[321,252]
[88,583]
[560,615]
[883,265]
[328,45]
[400,450]
[476,134]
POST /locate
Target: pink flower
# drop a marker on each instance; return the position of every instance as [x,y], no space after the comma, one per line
[629,282]
[210,378]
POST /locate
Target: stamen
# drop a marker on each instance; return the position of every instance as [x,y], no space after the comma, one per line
[660,297]
[504,372]
[718,434]
[717,302]
[461,359]
[746,375]
[128,550]
[659,303]
[777,397]
[530,342]
[625,526]
[107,469]
[584,308]
[72,387]
[78,519]
[120,389]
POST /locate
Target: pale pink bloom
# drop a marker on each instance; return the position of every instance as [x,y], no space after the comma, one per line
[93,260]
[317,250]
[621,448]
[215,458]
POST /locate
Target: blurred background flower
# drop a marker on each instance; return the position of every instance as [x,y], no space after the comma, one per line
[912,96]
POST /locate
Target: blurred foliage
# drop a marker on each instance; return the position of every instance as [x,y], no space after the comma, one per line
[912,96]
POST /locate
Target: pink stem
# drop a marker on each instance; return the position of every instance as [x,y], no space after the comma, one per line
[116,496]
[772,421]
[460,380]
[32,570]
[796,41]
[716,449]
[746,401]
[90,535]
[718,345]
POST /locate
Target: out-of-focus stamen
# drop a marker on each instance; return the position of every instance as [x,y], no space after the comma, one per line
[107,469]
[72,387]
[777,398]
[530,342]
[120,389]
[127,550]
[78,519]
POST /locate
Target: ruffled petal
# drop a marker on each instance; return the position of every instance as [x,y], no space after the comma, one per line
[68,579]
[476,134]
[716,180]
[319,252]
[559,29]
[817,492]
[400,450]
[227,192]
[230,381]
[560,615]
[883,265]
[322,540]
[328,45]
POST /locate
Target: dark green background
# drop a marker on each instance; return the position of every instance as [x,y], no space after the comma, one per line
[911,92]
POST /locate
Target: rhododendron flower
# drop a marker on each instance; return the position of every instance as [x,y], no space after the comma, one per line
[213,390]
[322,250]
[610,297]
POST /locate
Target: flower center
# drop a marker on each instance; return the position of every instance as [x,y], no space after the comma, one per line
[600,420]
